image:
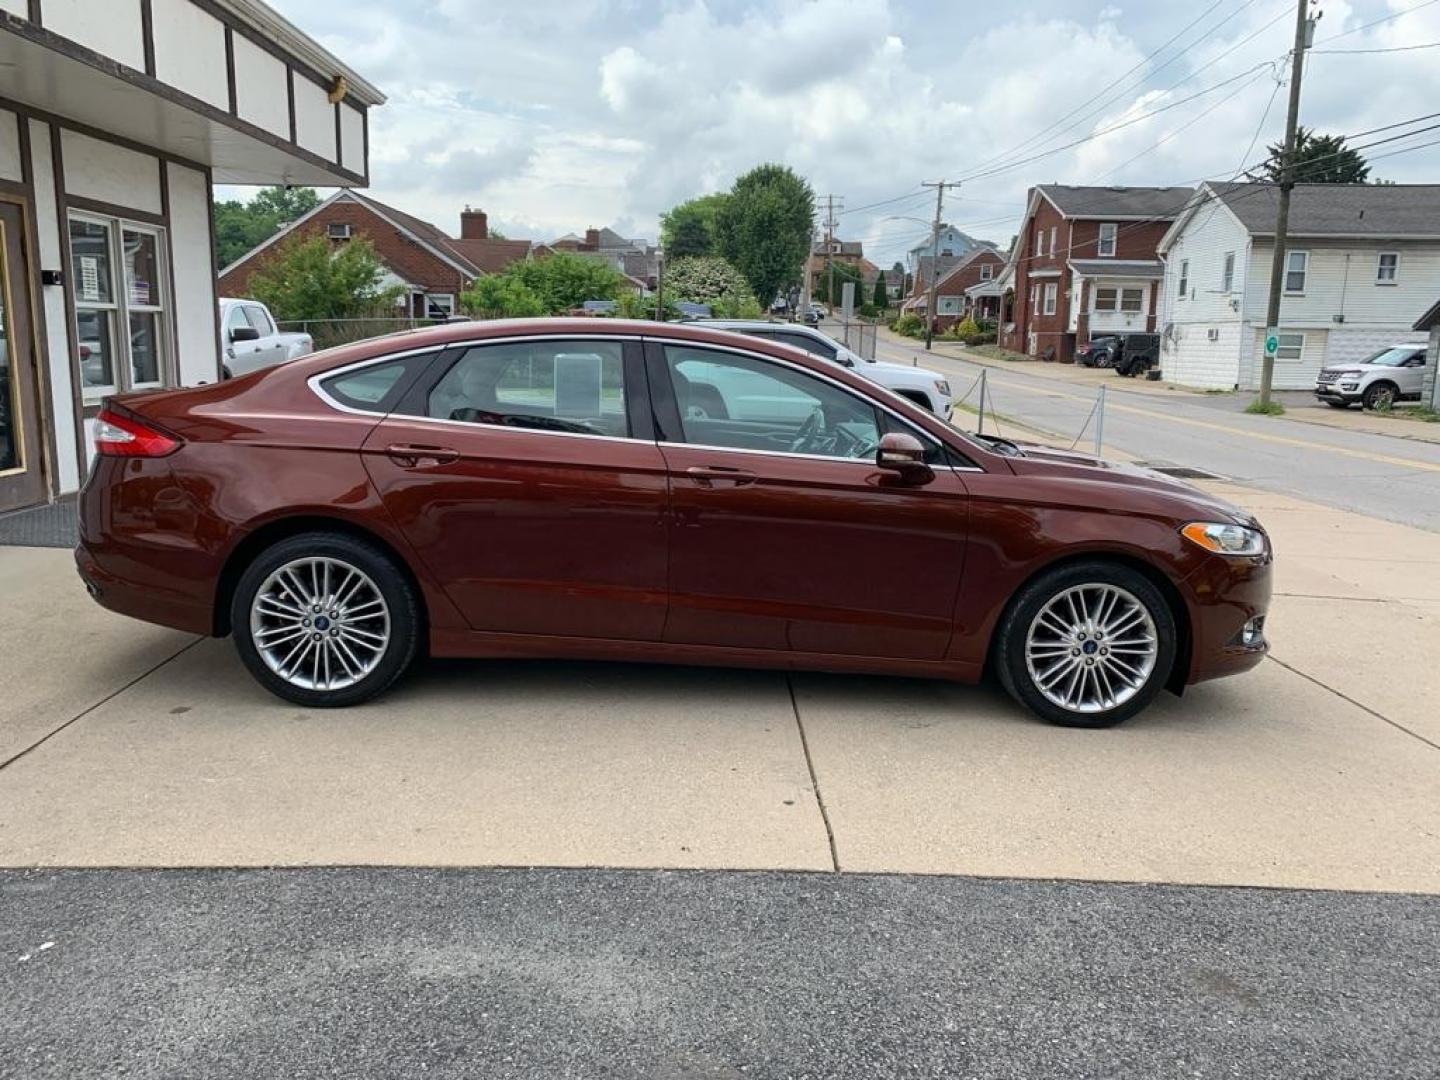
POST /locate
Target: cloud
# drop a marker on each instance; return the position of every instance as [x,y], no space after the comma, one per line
[556,115]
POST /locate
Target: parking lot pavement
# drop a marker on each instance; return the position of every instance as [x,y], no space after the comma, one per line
[60,653]
[1318,770]
[685,976]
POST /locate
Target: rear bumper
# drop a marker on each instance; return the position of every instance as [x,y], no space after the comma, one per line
[160,606]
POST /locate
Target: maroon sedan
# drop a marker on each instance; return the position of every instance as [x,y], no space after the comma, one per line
[638,491]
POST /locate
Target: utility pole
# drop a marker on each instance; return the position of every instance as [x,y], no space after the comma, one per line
[829,244]
[939,186]
[1303,26]
[660,286]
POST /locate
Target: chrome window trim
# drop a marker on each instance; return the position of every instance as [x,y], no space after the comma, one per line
[314,382]
[867,462]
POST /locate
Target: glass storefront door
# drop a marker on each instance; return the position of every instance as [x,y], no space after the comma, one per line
[21,479]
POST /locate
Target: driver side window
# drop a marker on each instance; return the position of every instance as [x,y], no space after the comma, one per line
[746,403]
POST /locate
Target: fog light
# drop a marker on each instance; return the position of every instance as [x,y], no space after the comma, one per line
[1253,632]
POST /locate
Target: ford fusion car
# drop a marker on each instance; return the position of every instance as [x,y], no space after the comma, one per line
[655,492]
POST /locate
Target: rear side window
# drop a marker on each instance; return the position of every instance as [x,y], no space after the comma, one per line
[813,346]
[258,318]
[375,388]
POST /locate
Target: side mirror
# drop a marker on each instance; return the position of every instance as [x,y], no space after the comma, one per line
[244,333]
[843,360]
[902,454]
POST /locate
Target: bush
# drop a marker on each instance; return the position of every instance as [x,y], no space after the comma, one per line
[981,338]
[909,324]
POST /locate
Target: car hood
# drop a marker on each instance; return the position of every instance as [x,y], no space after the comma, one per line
[1130,484]
[886,367]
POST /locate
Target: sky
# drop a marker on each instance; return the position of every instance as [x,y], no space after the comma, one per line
[558,115]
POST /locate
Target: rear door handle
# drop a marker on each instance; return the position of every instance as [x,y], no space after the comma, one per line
[710,475]
[414,456]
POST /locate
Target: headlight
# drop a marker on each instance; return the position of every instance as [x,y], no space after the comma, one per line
[1225,539]
[942,386]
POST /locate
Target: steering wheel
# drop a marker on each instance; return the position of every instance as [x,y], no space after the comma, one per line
[808,430]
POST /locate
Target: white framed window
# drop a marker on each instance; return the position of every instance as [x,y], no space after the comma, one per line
[1227,273]
[1034,299]
[1387,268]
[1132,300]
[1051,292]
[987,271]
[1297,268]
[120,304]
[439,305]
[337,230]
[1108,233]
[1184,288]
[1291,348]
[1039,241]
[1052,239]
[1106,299]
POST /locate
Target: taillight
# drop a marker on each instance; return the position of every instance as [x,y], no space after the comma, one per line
[120,436]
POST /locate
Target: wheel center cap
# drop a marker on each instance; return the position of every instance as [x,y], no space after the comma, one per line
[322,622]
[1089,647]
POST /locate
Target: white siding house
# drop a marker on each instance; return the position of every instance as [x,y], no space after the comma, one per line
[1363,262]
[117,118]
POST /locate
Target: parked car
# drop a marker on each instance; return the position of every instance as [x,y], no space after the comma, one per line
[928,389]
[251,340]
[1137,354]
[690,310]
[1098,352]
[1395,373]
[623,490]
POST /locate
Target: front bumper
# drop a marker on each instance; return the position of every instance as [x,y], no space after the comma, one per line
[1228,594]
[1333,392]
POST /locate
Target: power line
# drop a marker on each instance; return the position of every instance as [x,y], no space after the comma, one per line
[1357,52]
[887,202]
[1377,22]
[1178,83]
[1261,126]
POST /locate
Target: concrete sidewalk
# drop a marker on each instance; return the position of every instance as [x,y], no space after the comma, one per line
[141,747]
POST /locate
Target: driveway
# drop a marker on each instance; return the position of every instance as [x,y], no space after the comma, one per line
[132,746]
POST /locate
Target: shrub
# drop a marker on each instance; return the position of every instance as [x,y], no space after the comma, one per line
[909,324]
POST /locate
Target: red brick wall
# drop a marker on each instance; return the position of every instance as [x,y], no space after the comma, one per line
[956,284]
[404,257]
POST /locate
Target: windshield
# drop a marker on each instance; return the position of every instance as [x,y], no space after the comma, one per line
[1395,356]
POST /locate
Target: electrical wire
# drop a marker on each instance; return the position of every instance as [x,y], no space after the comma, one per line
[1377,22]
[1357,52]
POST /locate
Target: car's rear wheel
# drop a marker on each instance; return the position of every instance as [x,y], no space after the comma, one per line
[324,619]
[1087,645]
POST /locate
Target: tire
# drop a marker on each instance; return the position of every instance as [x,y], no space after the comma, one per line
[917,398]
[1380,395]
[269,622]
[1338,404]
[1134,676]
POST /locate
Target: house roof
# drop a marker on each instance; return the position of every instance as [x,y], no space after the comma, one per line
[965,260]
[1124,268]
[490,256]
[1391,211]
[945,263]
[275,27]
[1430,319]
[945,227]
[1117,202]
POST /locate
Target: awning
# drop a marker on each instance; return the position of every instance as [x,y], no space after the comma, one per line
[1142,269]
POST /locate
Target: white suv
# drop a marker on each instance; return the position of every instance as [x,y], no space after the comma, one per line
[1394,374]
[920,385]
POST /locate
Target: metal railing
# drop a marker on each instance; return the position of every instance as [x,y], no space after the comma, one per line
[331,332]
[985,408]
[859,336]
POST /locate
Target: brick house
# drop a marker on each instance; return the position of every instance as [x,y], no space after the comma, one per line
[433,267]
[953,301]
[637,259]
[1085,264]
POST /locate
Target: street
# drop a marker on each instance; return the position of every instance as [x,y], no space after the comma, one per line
[689,976]
[1377,475]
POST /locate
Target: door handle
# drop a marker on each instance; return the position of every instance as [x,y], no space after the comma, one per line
[709,475]
[411,456]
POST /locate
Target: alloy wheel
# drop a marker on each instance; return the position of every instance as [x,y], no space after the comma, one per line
[1091,648]
[320,623]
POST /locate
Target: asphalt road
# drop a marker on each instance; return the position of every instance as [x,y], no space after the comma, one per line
[681,976]
[1382,476]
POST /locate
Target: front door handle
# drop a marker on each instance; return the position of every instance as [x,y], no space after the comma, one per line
[709,475]
[414,456]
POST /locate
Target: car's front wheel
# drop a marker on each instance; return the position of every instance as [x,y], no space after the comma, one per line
[325,619]
[1086,645]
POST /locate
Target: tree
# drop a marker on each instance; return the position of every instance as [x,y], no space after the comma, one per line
[242,226]
[1319,159]
[763,228]
[842,273]
[689,228]
[881,299]
[311,279]
[703,278]
[554,284]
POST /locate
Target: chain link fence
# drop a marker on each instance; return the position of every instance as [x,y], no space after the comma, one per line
[980,400]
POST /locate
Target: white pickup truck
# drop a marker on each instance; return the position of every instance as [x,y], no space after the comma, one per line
[251,341]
